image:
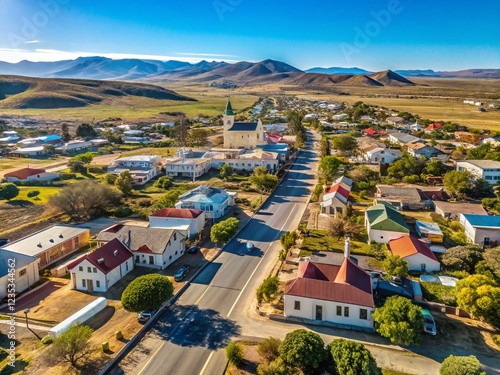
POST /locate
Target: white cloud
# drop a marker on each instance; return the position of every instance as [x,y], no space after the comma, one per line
[32,41]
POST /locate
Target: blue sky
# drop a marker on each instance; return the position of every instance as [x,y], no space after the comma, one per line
[375,35]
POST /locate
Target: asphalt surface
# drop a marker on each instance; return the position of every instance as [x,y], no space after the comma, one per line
[190,337]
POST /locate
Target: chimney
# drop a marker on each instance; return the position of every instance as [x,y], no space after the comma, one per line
[115,252]
[347,247]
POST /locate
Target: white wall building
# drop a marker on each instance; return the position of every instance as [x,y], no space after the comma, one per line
[189,220]
[142,167]
[486,169]
[189,167]
[31,174]
[483,230]
[382,155]
[215,202]
[25,271]
[416,252]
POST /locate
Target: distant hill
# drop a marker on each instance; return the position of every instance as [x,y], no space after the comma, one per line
[468,73]
[46,93]
[338,70]
[390,78]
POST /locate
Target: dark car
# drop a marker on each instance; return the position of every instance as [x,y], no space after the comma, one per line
[192,250]
[145,315]
[181,273]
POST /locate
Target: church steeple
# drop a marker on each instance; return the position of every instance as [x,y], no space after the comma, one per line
[229,109]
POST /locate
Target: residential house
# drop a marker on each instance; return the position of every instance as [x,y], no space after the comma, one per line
[215,202]
[428,230]
[29,152]
[142,167]
[190,167]
[241,134]
[9,136]
[493,141]
[401,197]
[380,154]
[402,139]
[434,127]
[51,244]
[453,210]
[190,221]
[31,174]
[75,147]
[280,148]
[383,223]
[483,230]
[416,252]
[152,247]
[102,268]
[25,275]
[395,120]
[339,295]
[335,199]
[486,169]
[419,149]
[340,117]
[370,132]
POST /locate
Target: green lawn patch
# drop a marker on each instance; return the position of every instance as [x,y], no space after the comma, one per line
[319,240]
[393,372]
[434,292]
[41,198]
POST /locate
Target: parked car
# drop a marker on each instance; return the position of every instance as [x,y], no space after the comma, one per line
[429,323]
[181,273]
[145,315]
[192,250]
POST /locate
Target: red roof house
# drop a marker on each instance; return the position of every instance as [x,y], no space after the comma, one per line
[30,174]
[416,252]
[191,221]
[434,127]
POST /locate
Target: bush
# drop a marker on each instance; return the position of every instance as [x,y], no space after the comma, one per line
[122,211]
[97,170]
[147,292]
[318,190]
[455,365]
[164,182]
[268,290]
[269,349]
[46,340]
[456,226]
[33,193]
[234,353]
[496,339]
[8,191]
[67,176]
[145,202]
[110,178]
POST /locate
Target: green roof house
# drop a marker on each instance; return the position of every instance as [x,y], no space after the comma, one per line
[384,223]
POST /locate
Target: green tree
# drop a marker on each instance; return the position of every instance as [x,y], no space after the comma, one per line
[179,132]
[276,367]
[147,292]
[288,239]
[463,258]
[455,365]
[304,350]
[225,171]
[49,149]
[124,182]
[164,182]
[294,120]
[86,131]
[223,231]
[324,147]
[234,353]
[492,259]
[344,143]
[343,227]
[8,191]
[263,180]
[352,358]
[269,349]
[399,320]
[110,178]
[406,166]
[65,132]
[76,166]
[73,346]
[197,137]
[480,297]
[328,167]
[395,266]
[169,199]
[480,188]
[435,168]
[268,290]
[458,183]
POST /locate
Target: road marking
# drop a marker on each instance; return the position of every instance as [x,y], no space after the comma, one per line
[206,363]
[205,292]
[261,259]
[150,359]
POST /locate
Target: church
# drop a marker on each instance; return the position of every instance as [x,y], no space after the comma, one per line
[241,134]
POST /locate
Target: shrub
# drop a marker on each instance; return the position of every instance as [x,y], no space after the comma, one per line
[67,176]
[496,339]
[145,202]
[456,226]
[47,340]
[122,211]
[33,193]
[147,292]
[97,170]
[269,349]
[234,353]
[164,182]
[455,365]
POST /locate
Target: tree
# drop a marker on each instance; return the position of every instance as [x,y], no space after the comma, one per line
[86,131]
[328,167]
[352,358]
[344,143]
[480,188]
[480,297]
[294,120]
[80,162]
[268,290]
[395,266]
[169,199]
[492,259]
[110,178]
[164,182]
[463,258]
[49,149]
[223,231]
[435,168]
[456,365]
[399,320]
[263,180]
[73,346]
[8,191]
[362,173]
[180,133]
[324,147]
[269,349]
[124,182]
[147,292]
[225,171]
[65,132]
[234,353]
[288,239]
[197,138]
[458,183]
[343,227]
[304,350]
[276,367]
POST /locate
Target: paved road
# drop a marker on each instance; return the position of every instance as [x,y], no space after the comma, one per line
[190,337]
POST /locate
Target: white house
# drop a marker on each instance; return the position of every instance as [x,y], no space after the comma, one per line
[486,169]
[340,295]
[335,199]
[402,138]
[102,268]
[189,220]
[142,167]
[416,252]
[75,146]
[383,223]
[483,230]
[31,174]
[215,202]
[189,167]
[378,154]
[25,271]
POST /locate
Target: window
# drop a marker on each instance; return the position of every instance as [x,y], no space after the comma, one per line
[97,284]
[170,257]
[175,236]
[89,269]
[297,305]
[84,283]
[80,268]
[346,311]
[339,310]
[126,266]
[151,259]
[94,269]
[363,314]
[176,252]
[22,272]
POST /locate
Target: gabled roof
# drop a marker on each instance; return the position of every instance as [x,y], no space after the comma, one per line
[409,245]
[406,194]
[24,173]
[107,257]
[383,216]
[243,126]
[206,194]
[371,131]
[339,190]
[435,126]
[483,221]
[343,180]
[21,261]
[179,213]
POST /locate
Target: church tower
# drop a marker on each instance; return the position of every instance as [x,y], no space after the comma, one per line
[228,120]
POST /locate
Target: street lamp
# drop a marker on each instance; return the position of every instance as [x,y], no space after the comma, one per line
[26,312]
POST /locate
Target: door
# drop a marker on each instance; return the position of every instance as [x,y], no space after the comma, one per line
[90,285]
[73,279]
[319,312]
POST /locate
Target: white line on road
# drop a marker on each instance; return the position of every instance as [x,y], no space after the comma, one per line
[152,357]
[206,363]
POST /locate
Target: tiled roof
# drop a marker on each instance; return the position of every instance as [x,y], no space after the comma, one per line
[385,217]
[178,213]
[24,173]
[409,245]
[243,126]
[107,257]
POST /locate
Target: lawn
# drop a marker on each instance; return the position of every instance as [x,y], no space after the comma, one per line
[41,198]
[319,240]
[434,292]
[11,163]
